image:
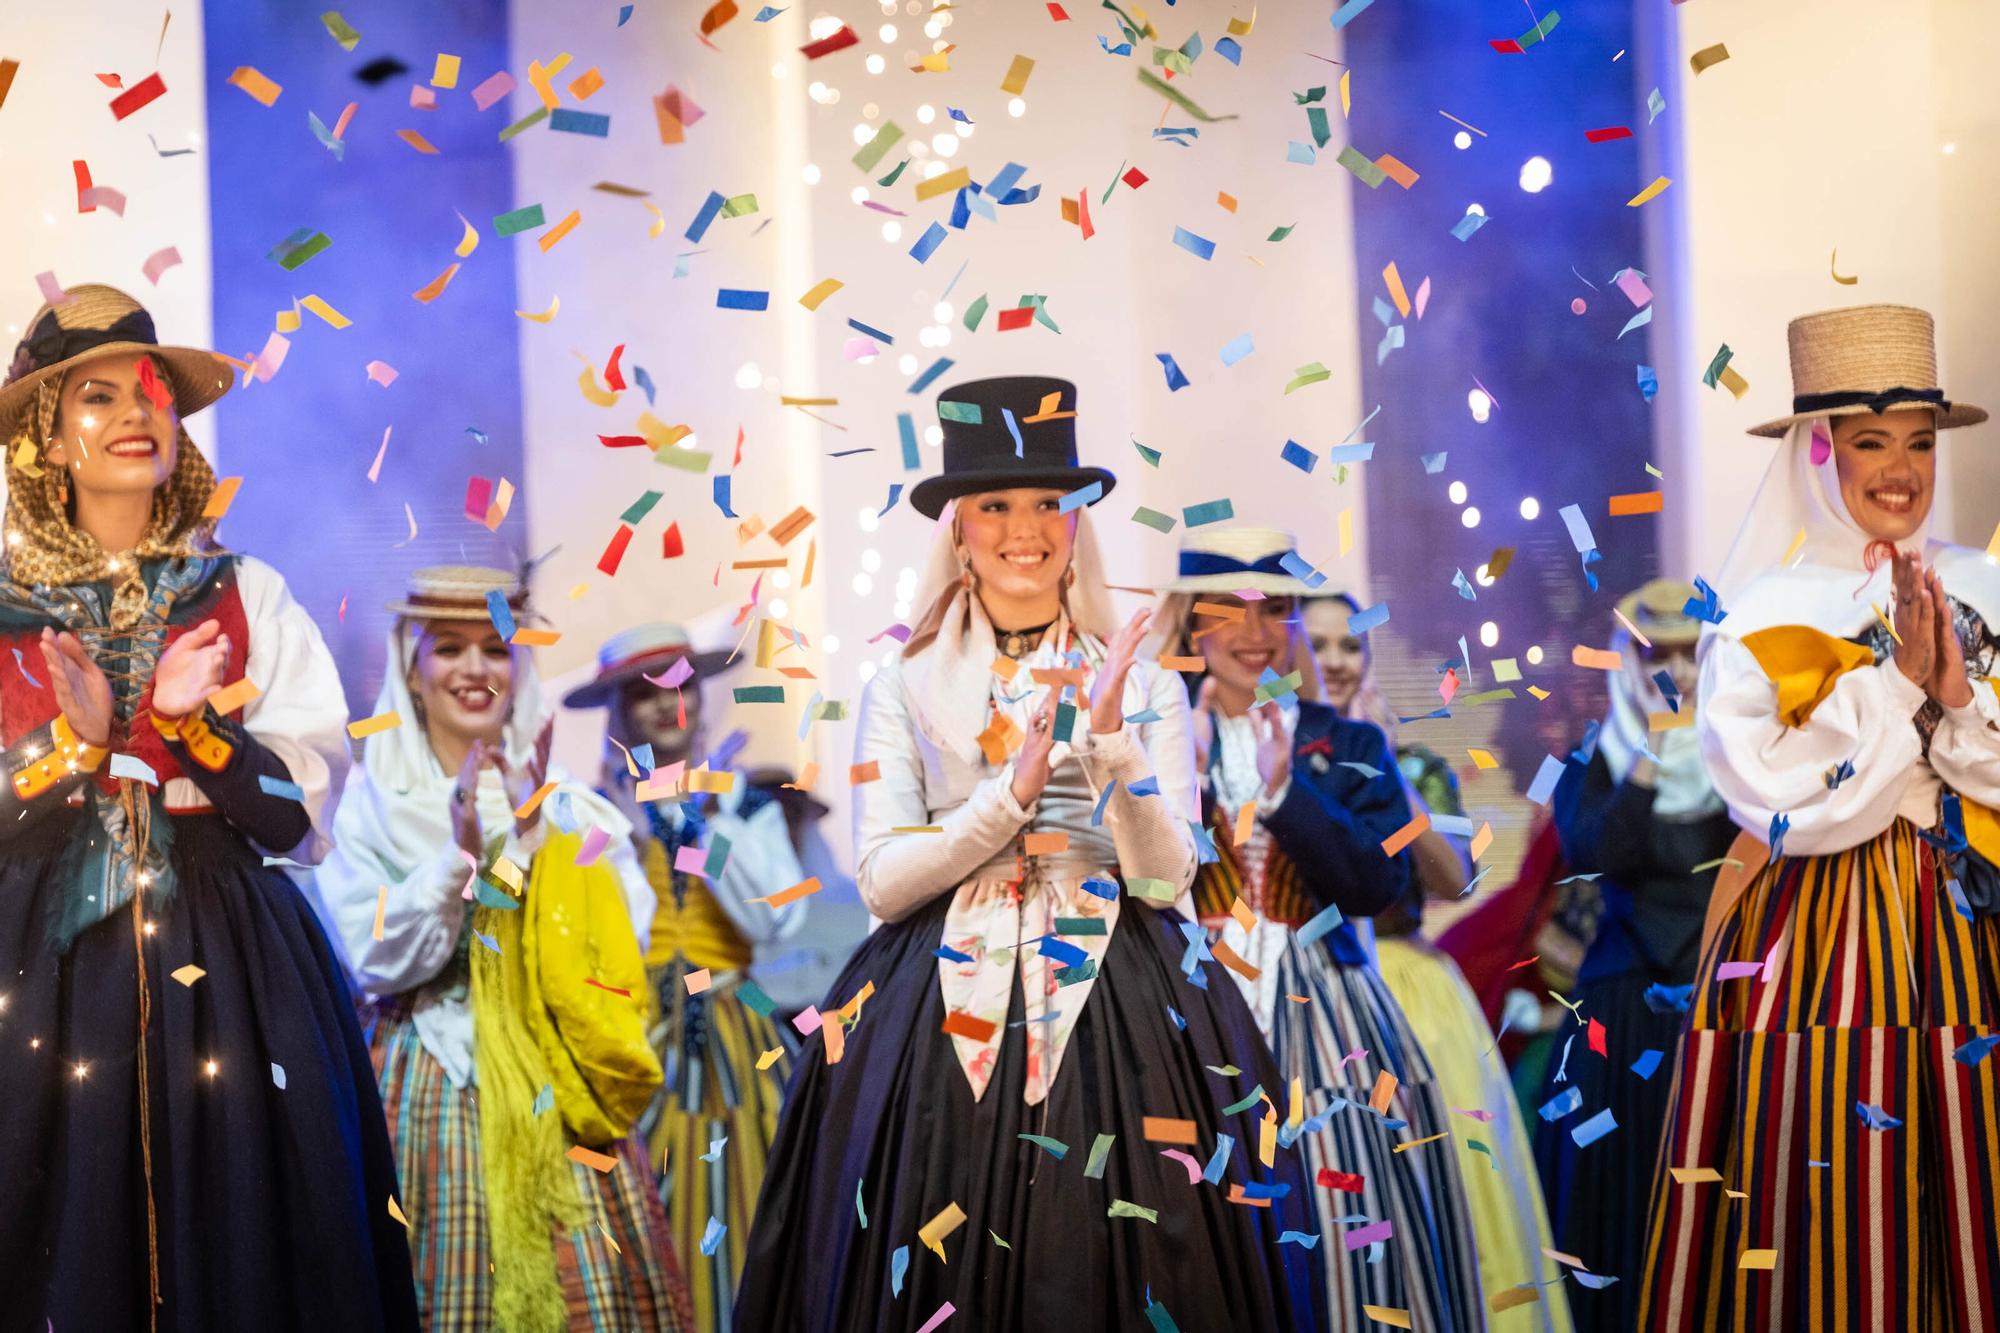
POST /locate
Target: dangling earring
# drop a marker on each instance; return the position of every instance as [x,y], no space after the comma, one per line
[966,578]
[1069,576]
[62,487]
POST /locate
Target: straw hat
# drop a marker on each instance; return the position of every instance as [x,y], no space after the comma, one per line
[1226,559]
[646,650]
[1659,610]
[458,592]
[997,436]
[1866,358]
[94,320]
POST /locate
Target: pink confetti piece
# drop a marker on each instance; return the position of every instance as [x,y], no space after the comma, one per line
[807,1021]
[1358,1053]
[346,115]
[1423,296]
[159,262]
[1368,1235]
[102,196]
[1193,1167]
[271,358]
[52,291]
[1635,288]
[944,1312]
[1483,1117]
[1732,971]
[595,840]
[422,98]
[491,91]
[674,675]
[692,861]
[375,468]
[382,373]
[860,349]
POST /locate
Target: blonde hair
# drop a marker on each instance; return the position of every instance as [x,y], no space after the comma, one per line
[43,547]
[1176,612]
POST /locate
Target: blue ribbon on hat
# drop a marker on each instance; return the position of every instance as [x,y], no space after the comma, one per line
[1194,563]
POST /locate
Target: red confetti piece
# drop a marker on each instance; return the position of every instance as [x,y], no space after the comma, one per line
[1607,134]
[826,46]
[1597,1037]
[615,990]
[1017,319]
[1342,1180]
[82,170]
[1057,12]
[150,385]
[622,441]
[140,94]
[671,544]
[478,495]
[1135,178]
[613,378]
[615,551]
[1507,47]
[1524,962]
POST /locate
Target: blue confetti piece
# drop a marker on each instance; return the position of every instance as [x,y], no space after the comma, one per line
[1237,348]
[1209,511]
[929,377]
[1298,456]
[642,755]
[1061,951]
[765,15]
[1875,1117]
[1218,1161]
[502,617]
[860,1211]
[1546,777]
[1229,50]
[736,298]
[958,115]
[480,435]
[1175,379]
[1351,453]
[1013,429]
[1312,931]
[1640,321]
[947,952]
[624,14]
[278,1075]
[906,431]
[1143,716]
[1199,247]
[1669,999]
[1838,774]
[1295,564]
[1363,621]
[1595,1128]
[1706,605]
[722,496]
[1101,888]
[488,941]
[1347,13]
[928,243]
[899,1264]
[1122,49]
[1179,1022]
[1103,799]
[545,1099]
[1463,585]
[1433,463]
[1259,1189]
[290,791]
[1580,535]
[711,207]
[1077,499]
[21,665]
[1976,1050]
[1146,786]
[1668,690]
[1649,380]
[570,121]
[715,1147]
[1562,1104]
[895,494]
[1780,825]
[712,1236]
[1465,226]
[872,332]
[1307,1239]
[1595,1281]
[1647,1064]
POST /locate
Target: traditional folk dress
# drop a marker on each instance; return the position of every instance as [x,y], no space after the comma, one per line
[517,1219]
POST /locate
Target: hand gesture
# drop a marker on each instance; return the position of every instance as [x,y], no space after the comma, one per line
[527,780]
[1949,684]
[464,809]
[1031,762]
[190,670]
[1202,724]
[1274,746]
[81,690]
[1107,704]
[1915,622]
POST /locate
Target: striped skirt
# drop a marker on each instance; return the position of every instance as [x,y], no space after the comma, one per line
[1348,1031]
[710,1129]
[1827,1162]
[1502,1187]
[617,1273]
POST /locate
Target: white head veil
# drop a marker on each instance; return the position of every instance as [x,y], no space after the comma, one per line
[1681,789]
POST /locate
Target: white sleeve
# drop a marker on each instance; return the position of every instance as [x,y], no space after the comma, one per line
[301,713]
[1762,767]
[422,912]
[1150,832]
[761,862]
[1965,751]
[896,873]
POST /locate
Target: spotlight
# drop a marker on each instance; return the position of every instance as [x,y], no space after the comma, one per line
[1536,174]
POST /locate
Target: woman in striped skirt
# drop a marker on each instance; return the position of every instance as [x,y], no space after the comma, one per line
[1832,1150]
[1302,808]
[494,919]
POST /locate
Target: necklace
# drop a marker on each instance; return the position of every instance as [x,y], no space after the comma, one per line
[1018,643]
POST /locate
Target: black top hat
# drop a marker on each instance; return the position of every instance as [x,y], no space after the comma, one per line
[1015,430]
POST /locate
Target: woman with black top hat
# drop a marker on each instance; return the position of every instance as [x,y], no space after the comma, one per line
[191,1136]
[1029,1101]
[1831,1157]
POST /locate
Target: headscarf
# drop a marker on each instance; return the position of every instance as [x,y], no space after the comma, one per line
[44,548]
[1682,791]
[951,681]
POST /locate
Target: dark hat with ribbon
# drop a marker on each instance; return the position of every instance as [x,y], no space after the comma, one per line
[93,320]
[1012,431]
[1866,358]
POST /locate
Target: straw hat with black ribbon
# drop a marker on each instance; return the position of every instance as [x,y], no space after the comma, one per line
[1658,610]
[43,546]
[460,592]
[644,650]
[1866,358]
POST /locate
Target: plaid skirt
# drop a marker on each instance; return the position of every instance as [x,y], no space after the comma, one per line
[618,1273]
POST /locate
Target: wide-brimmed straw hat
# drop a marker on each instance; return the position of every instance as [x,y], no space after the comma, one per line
[1015,430]
[646,650]
[91,321]
[1659,611]
[459,592]
[1866,358]
[1223,560]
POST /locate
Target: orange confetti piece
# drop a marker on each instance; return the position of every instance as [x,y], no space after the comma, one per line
[1598,659]
[1385,1088]
[596,1161]
[549,238]
[223,496]
[1641,502]
[253,81]
[1175,663]
[1045,844]
[1406,835]
[868,772]
[527,808]
[418,142]
[1234,961]
[233,696]
[433,289]
[803,889]
[696,981]
[960,1024]
[1162,1129]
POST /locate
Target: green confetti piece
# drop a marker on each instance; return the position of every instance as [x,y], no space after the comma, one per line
[1256,1095]
[1055,1148]
[1209,511]
[1281,233]
[1080,925]
[490,895]
[968,413]
[521,219]
[1718,861]
[291,256]
[1120,1208]
[1227,1071]
[687,460]
[1116,176]
[878,147]
[741,205]
[1152,456]
[1483,697]
[1310,373]
[831,710]
[1156,890]
[974,313]
[1316,119]
[340,29]
[1364,170]
[1716,366]
[640,507]
[529,121]
[1309,96]
[1100,1152]
[1153,519]
[1477,1146]
[760,694]
[1083,971]
[1280,688]
[1180,99]
[996,1239]
[891,178]
[859,1211]
[545,1099]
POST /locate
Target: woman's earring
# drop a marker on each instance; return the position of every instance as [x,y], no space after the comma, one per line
[966,578]
[1069,575]
[62,487]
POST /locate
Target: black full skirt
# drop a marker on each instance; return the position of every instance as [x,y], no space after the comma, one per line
[894,1126]
[271,1188]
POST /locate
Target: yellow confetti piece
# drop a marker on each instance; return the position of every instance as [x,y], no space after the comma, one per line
[543,317]
[445,73]
[548,239]
[1993,547]
[1346,99]
[1483,759]
[1418,1143]
[1240,909]
[507,872]
[252,81]
[1267,1139]
[822,289]
[1886,625]
[1733,382]
[1799,540]
[418,142]
[1695,1175]
[233,696]
[934,1231]
[944,184]
[318,306]
[25,453]
[1347,530]
[371,726]
[187,975]
[1708,56]
[381,909]
[1658,722]
[1297,1102]
[659,226]
[1764,1259]
[1508,1297]
[396,1211]
[607,1237]
[288,321]
[1385,1314]
[1538,692]
[1833,267]
[1016,81]
[469,241]
[1650,192]
[593,391]
[1242,27]
[769,1058]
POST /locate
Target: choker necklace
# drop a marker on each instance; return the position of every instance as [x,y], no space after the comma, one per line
[1018,643]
